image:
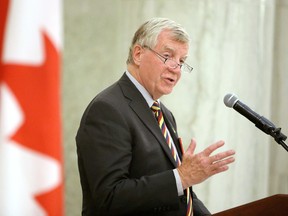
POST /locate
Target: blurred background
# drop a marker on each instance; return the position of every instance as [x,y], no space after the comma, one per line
[237,46]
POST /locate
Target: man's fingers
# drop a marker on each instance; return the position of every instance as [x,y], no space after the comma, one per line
[221,156]
[195,168]
[191,147]
[223,162]
[213,147]
[221,166]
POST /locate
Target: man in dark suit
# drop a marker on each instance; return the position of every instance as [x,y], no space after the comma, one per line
[126,166]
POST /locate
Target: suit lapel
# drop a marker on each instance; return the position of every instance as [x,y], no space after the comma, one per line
[139,105]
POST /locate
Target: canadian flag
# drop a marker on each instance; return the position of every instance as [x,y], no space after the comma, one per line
[31,163]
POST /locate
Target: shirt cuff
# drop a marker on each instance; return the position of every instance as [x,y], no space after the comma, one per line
[178,182]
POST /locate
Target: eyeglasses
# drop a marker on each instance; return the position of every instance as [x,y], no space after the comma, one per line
[172,63]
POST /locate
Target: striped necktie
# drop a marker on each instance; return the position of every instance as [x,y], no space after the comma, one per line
[159,116]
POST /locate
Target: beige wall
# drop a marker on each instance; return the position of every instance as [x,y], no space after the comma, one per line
[237,46]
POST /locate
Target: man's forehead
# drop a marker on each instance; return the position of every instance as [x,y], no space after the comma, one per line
[175,48]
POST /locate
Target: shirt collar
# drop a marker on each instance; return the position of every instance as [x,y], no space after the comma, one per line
[142,90]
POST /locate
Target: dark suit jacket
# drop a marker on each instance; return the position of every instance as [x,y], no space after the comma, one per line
[124,162]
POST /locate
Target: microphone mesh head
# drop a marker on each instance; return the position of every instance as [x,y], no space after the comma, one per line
[230,100]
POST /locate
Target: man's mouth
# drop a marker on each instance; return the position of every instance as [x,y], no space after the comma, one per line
[171,80]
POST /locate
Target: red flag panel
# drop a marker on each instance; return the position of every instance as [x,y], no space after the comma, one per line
[30,93]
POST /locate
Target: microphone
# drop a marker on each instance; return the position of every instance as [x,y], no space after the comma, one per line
[232,101]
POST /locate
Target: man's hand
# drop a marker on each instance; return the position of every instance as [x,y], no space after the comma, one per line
[196,168]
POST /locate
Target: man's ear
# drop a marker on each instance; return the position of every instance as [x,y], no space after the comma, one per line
[137,52]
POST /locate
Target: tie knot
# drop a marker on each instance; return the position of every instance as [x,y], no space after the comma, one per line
[155,107]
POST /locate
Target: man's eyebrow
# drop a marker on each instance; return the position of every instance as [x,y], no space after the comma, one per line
[169,49]
[166,48]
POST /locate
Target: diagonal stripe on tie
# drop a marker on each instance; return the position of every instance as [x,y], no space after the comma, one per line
[159,116]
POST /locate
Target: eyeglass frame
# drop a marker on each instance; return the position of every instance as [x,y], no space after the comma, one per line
[165,59]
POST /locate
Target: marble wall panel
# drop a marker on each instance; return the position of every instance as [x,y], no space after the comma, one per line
[237,46]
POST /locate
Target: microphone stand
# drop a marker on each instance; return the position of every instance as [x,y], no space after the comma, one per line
[269,128]
[279,137]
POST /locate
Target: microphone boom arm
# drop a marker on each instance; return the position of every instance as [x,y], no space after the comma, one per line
[279,137]
[260,122]
[263,124]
